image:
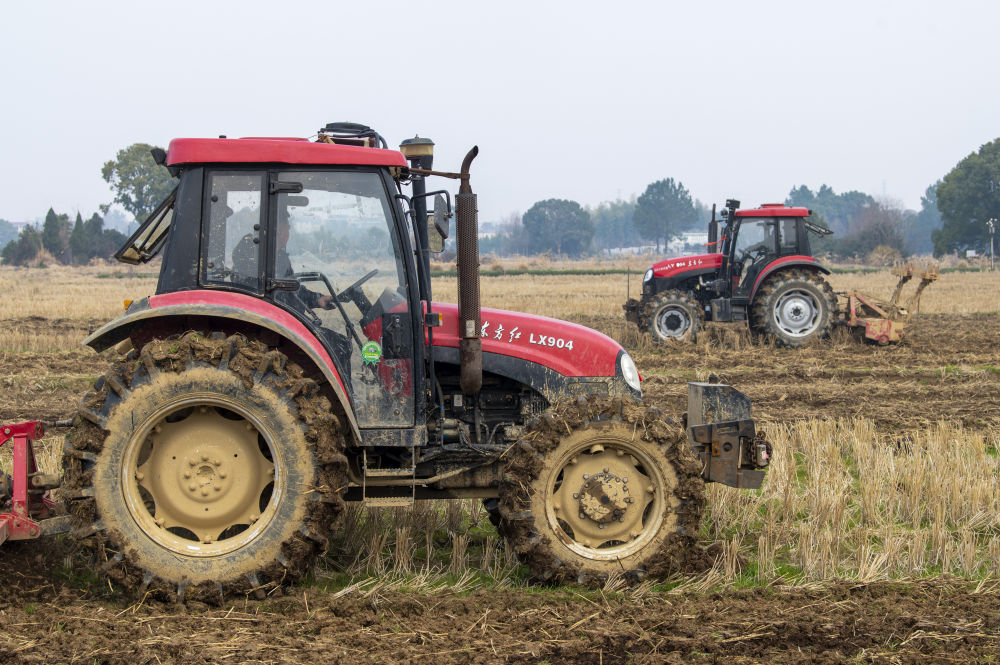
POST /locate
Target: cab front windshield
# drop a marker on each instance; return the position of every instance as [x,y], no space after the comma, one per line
[337,239]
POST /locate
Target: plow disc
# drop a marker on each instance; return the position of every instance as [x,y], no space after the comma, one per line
[885,323]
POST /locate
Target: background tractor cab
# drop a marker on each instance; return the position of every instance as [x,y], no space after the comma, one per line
[763,273]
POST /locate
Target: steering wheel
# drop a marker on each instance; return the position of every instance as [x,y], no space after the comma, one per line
[353,293]
[753,253]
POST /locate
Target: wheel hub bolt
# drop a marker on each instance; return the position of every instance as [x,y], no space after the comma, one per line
[139,475]
[586,476]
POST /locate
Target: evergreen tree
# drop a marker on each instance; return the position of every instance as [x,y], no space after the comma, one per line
[663,211]
[23,250]
[79,243]
[968,197]
[559,225]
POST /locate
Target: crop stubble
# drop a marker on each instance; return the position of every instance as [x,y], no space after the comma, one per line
[886,459]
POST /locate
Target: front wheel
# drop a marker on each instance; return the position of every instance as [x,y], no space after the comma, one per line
[205,466]
[673,316]
[601,487]
[794,307]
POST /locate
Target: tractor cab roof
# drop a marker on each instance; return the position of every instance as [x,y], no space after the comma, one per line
[774,210]
[266,150]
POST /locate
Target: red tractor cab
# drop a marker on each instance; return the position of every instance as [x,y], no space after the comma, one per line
[293,358]
[763,273]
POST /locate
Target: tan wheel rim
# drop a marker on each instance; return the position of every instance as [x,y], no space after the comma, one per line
[197,480]
[607,499]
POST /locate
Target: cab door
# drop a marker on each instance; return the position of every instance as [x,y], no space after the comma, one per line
[756,246]
[336,259]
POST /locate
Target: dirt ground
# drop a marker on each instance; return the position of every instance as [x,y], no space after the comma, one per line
[947,369]
[46,619]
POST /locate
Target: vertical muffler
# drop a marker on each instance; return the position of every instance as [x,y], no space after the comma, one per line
[470,346]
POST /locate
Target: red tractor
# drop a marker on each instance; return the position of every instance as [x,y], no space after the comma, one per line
[293,358]
[764,274]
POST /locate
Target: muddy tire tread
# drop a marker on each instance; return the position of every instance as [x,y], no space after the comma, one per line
[537,551]
[647,316]
[233,354]
[762,320]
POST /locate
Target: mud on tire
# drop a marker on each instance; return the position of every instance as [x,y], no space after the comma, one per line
[672,316]
[598,487]
[794,307]
[202,467]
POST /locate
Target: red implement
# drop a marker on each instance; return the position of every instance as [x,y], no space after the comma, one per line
[31,513]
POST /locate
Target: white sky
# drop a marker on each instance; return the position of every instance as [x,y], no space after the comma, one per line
[580,100]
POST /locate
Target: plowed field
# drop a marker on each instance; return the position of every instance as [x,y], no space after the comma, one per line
[948,369]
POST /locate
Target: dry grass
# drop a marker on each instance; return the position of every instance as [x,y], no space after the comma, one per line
[842,500]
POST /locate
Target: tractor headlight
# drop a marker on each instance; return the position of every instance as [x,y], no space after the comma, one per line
[648,276]
[629,371]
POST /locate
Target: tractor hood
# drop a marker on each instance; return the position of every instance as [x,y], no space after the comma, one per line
[671,267]
[567,348]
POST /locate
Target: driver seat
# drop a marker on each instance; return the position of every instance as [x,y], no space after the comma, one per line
[244,261]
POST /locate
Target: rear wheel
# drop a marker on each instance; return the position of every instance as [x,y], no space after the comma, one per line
[203,467]
[794,307]
[673,315]
[601,487]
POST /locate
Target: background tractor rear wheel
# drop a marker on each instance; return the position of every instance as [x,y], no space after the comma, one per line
[205,466]
[601,487]
[794,307]
[673,316]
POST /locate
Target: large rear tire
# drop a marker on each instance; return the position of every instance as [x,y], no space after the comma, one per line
[203,467]
[601,487]
[672,316]
[794,307]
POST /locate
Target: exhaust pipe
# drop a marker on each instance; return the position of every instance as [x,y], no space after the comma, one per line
[470,346]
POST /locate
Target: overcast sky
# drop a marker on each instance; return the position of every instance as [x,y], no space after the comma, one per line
[588,101]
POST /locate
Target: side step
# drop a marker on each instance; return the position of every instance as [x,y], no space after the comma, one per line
[397,501]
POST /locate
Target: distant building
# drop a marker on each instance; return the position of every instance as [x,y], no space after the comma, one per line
[689,242]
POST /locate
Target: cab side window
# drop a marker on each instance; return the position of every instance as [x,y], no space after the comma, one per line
[231,250]
[789,237]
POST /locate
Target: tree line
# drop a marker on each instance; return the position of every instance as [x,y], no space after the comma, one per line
[139,184]
[954,216]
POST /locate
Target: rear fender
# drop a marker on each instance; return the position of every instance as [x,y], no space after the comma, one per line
[786,263]
[184,310]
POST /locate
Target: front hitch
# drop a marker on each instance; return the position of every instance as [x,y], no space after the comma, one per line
[723,436]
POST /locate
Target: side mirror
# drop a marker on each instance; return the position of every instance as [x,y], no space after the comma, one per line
[438,224]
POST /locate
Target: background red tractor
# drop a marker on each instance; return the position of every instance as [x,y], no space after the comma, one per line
[763,273]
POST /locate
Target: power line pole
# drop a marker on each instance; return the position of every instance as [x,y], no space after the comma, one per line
[991,223]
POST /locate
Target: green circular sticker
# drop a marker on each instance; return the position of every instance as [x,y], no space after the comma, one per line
[371,352]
